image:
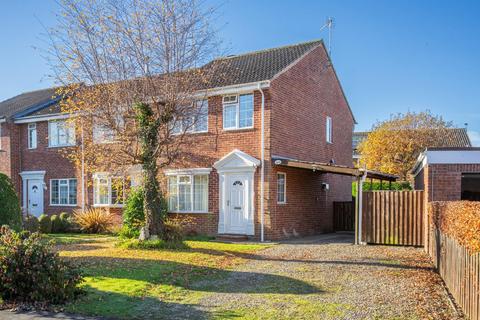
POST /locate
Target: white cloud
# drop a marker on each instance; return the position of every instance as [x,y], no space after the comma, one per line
[475,138]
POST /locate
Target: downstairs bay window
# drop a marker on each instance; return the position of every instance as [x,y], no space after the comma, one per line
[108,191]
[188,193]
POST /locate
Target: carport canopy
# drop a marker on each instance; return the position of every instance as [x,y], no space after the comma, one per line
[360,174]
[333,168]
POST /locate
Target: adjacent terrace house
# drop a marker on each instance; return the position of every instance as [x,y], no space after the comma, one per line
[244,175]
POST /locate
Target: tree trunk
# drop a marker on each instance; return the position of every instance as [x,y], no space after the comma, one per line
[153,204]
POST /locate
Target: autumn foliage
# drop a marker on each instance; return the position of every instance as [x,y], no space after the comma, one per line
[459,220]
[393,145]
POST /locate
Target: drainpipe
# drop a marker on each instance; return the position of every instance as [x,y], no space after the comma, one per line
[262,168]
[83,171]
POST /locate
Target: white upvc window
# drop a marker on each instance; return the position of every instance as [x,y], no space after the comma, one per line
[196,123]
[108,191]
[61,133]
[102,134]
[63,192]
[281,187]
[238,112]
[32,136]
[328,130]
[188,193]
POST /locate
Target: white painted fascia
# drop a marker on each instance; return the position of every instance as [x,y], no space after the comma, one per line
[31,119]
[32,175]
[236,89]
[446,157]
[191,171]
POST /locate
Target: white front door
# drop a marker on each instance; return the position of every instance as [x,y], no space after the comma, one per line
[35,197]
[236,206]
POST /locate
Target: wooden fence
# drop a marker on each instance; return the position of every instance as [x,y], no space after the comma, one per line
[344,216]
[393,217]
[459,270]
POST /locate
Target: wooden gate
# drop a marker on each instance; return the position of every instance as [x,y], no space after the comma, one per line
[344,216]
[393,217]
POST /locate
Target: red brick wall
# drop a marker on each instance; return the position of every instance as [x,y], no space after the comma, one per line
[50,160]
[302,98]
[443,182]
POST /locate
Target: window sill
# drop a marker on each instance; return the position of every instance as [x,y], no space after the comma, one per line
[282,203]
[108,205]
[63,146]
[238,129]
[63,205]
[189,212]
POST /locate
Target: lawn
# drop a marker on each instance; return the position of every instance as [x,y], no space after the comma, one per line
[160,283]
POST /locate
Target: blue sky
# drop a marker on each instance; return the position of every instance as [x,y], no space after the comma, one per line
[391,56]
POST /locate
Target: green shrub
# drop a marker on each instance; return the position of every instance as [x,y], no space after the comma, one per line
[133,214]
[10,212]
[30,223]
[151,244]
[93,220]
[173,230]
[57,225]
[402,185]
[45,224]
[30,272]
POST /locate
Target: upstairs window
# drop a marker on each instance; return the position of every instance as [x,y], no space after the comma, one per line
[102,134]
[61,133]
[195,123]
[238,112]
[32,136]
[328,129]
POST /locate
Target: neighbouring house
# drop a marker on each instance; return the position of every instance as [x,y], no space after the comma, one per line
[242,173]
[448,174]
[454,138]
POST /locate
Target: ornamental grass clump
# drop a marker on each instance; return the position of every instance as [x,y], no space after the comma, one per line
[459,220]
[30,272]
[93,220]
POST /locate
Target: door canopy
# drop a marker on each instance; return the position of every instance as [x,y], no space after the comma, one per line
[236,161]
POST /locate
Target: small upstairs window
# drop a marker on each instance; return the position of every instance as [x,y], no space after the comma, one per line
[32,136]
[328,129]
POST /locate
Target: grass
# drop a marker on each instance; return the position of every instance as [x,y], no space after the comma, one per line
[129,281]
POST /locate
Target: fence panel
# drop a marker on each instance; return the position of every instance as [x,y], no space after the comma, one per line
[393,217]
[459,270]
[344,215]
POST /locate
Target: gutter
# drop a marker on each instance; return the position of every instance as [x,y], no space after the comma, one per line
[262,168]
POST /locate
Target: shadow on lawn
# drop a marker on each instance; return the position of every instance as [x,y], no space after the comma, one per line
[198,278]
[114,305]
[395,264]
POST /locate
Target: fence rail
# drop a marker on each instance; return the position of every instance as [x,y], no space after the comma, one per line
[393,217]
[459,270]
[344,215]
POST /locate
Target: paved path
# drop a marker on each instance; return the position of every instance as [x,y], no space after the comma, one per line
[41,316]
[324,277]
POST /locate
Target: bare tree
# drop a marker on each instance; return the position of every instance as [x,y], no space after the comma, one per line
[130,72]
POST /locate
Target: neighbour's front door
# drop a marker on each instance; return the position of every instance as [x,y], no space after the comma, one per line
[35,197]
[236,204]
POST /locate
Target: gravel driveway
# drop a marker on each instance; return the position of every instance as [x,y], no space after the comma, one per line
[326,277]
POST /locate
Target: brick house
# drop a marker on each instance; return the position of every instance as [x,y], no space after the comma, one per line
[448,174]
[278,106]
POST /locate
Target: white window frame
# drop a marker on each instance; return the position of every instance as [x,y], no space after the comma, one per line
[237,111]
[32,143]
[193,129]
[192,191]
[284,188]
[97,176]
[68,193]
[50,134]
[329,130]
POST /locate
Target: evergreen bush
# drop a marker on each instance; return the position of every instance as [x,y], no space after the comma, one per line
[10,211]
